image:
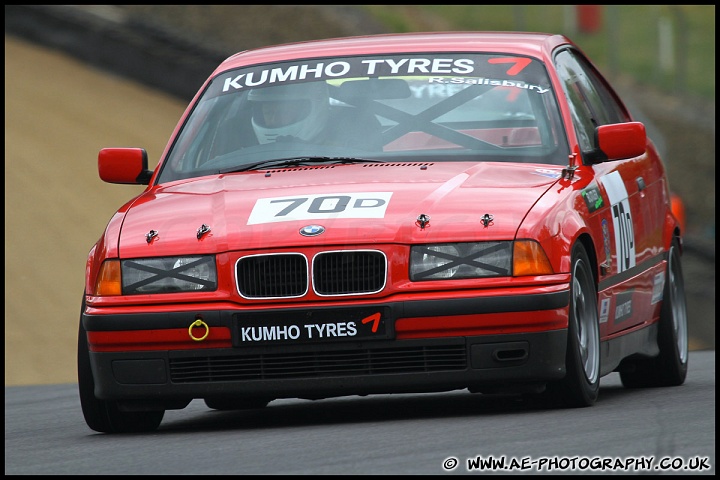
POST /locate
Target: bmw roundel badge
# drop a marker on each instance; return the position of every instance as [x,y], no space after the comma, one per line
[312,230]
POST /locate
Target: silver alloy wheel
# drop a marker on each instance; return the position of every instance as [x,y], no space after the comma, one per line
[588,334]
[679,308]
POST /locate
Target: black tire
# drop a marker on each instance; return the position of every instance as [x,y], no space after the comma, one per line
[236,403]
[669,368]
[581,384]
[103,415]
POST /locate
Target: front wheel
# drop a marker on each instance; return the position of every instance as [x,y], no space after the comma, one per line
[581,384]
[104,415]
[669,368]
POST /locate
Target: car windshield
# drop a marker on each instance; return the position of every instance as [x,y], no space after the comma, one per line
[393,108]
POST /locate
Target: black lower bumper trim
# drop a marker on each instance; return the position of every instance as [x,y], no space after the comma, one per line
[304,371]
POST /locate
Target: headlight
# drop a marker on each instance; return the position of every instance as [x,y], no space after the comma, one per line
[461,260]
[168,275]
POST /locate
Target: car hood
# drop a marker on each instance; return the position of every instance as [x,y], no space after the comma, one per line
[360,204]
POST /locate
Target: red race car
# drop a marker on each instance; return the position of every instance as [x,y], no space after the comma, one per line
[386,214]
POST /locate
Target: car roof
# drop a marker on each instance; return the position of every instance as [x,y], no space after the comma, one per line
[533,44]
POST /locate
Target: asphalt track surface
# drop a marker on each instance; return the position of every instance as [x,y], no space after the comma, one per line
[386,434]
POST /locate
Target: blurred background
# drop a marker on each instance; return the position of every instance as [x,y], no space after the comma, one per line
[82,77]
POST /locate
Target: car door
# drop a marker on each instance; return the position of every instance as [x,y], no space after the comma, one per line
[627,213]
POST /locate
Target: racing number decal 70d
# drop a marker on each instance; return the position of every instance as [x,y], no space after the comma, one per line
[313,207]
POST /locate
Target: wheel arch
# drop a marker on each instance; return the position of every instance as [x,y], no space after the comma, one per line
[586,240]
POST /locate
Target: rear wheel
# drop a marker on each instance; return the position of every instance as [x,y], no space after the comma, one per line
[669,368]
[581,384]
[104,415]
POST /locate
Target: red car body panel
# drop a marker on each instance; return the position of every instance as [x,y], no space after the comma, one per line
[527,44]
[509,191]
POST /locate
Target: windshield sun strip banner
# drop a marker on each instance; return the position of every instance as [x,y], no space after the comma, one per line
[477,69]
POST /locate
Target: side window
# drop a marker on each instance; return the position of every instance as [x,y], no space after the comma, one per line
[591,103]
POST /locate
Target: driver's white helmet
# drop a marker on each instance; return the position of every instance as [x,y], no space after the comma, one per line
[299,110]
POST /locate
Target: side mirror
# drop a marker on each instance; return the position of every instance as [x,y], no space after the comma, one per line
[621,140]
[124,165]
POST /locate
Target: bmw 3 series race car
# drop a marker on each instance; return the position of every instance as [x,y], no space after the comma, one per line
[386,214]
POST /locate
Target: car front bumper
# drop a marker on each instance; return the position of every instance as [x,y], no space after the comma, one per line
[424,346]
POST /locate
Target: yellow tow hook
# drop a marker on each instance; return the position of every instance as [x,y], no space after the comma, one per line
[198,323]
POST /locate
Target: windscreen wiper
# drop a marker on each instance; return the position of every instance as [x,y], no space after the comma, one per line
[297,161]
